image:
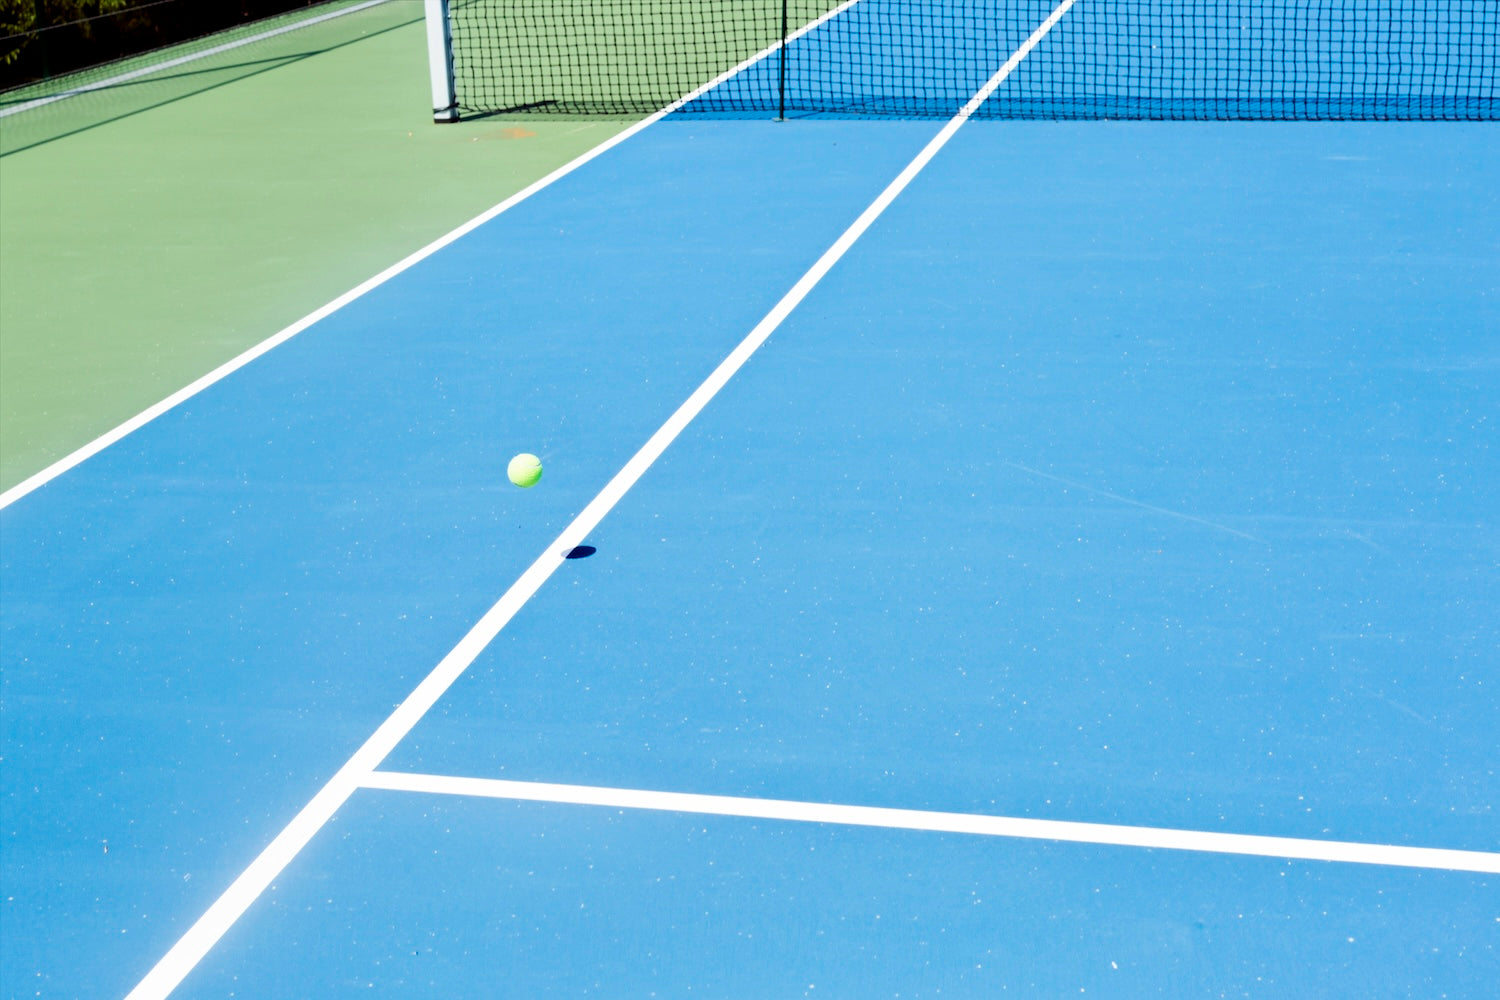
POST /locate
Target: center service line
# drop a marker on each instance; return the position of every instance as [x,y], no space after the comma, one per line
[200,938]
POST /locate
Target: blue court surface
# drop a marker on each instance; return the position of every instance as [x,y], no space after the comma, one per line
[1087,584]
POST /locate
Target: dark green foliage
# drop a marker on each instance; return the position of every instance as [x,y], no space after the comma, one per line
[44,38]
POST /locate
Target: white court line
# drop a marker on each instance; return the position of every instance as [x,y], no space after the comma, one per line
[187,392]
[183,60]
[945,822]
[209,928]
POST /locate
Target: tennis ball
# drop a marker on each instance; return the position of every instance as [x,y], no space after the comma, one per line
[524,470]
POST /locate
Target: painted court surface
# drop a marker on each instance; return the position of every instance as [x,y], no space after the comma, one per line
[1108,516]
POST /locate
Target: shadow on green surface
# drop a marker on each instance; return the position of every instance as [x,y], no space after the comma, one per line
[82,112]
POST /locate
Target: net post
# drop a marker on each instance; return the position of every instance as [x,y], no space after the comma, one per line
[781,83]
[440,61]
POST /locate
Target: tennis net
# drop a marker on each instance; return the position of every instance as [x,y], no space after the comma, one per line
[1128,59]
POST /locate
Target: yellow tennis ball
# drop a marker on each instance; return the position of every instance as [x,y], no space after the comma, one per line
[524,470]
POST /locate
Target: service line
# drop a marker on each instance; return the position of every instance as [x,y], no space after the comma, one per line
[1065,831]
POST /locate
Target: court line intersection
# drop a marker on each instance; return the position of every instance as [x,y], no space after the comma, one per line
[206,931]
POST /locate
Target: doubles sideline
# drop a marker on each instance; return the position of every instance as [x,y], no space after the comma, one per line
[135,423]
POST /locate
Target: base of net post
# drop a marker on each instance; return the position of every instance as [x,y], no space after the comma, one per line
[445,116]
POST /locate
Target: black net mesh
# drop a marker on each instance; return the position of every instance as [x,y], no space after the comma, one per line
[1189,59]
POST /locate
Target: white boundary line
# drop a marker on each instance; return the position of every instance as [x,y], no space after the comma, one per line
[189,950]
[944,822]
[183,60]
[51,472]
